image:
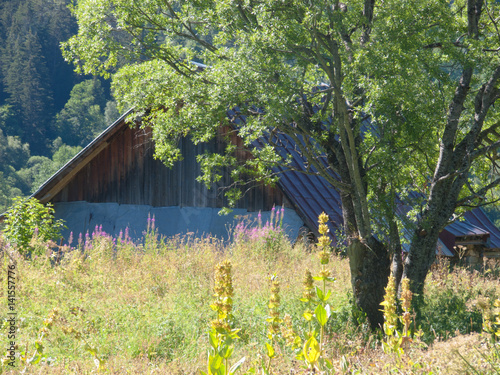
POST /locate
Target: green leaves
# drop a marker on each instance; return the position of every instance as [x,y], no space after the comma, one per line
[308,316]
[323,297]
[367,93]
[28,218]
[321,315]
[270,350]
[216,365]
[311,351]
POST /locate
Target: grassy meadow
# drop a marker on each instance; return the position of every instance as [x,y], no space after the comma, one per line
[113,306]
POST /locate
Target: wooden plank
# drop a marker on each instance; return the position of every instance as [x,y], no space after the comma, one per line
[73,170]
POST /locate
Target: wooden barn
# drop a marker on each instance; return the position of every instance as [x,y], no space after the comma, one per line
[116,182]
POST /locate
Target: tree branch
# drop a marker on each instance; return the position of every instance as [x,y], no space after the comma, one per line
[479,194]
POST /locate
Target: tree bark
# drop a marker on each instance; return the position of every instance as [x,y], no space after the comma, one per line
[397,265]
[370,267]
[420,258]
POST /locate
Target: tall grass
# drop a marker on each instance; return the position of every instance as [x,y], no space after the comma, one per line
[145,307]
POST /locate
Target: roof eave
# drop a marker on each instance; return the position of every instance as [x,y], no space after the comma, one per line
[59,179]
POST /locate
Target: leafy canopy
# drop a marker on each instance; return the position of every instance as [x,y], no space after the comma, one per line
[315,70]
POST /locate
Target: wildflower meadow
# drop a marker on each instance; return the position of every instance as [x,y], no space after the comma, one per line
[257,304]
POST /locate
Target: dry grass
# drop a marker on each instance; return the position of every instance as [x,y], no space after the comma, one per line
[145,308]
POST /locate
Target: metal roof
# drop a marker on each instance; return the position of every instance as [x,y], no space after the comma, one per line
[478,218]
[312,194]
[465,229]
[309,193]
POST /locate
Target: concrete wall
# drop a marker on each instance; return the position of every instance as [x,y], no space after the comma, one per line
[83,217]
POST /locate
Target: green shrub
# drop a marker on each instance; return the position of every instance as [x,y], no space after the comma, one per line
[29,218]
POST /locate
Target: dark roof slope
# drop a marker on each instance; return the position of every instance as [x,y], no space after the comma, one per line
[309,193]
[479,219]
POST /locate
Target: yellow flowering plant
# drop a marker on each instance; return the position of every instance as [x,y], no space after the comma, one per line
[397,341]
[274,323]
[318,310]
[221,335]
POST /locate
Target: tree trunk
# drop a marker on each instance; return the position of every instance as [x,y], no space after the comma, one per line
[397,267]
[395,250]
[368,259]
[370,268]
[420,258]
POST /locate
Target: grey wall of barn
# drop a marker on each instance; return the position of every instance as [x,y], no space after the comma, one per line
[82,217]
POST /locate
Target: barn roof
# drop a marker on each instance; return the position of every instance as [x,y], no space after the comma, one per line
[310,194]
[478,218]
[466,229]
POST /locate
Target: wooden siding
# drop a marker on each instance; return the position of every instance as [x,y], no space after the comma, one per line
[125,172]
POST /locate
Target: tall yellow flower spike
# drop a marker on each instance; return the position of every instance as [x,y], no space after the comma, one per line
[223,293]
[324,241]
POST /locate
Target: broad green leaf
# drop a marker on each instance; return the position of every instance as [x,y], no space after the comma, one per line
[319,293]
[321,315]
[227,351]
[270,350]
[213,339]
[311,350]
[215,362]
[328,294]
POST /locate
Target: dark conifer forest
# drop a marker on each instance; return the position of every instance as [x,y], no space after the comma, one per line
[47,111]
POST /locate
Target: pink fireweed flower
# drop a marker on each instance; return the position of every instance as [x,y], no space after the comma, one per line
[271,229]
[88,243]
[151,223]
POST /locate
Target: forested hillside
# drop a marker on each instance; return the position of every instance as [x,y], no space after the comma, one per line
[47,112]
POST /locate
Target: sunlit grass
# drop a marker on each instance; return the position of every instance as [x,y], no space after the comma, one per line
[145,308]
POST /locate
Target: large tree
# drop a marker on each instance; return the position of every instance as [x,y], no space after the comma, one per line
[396,96]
